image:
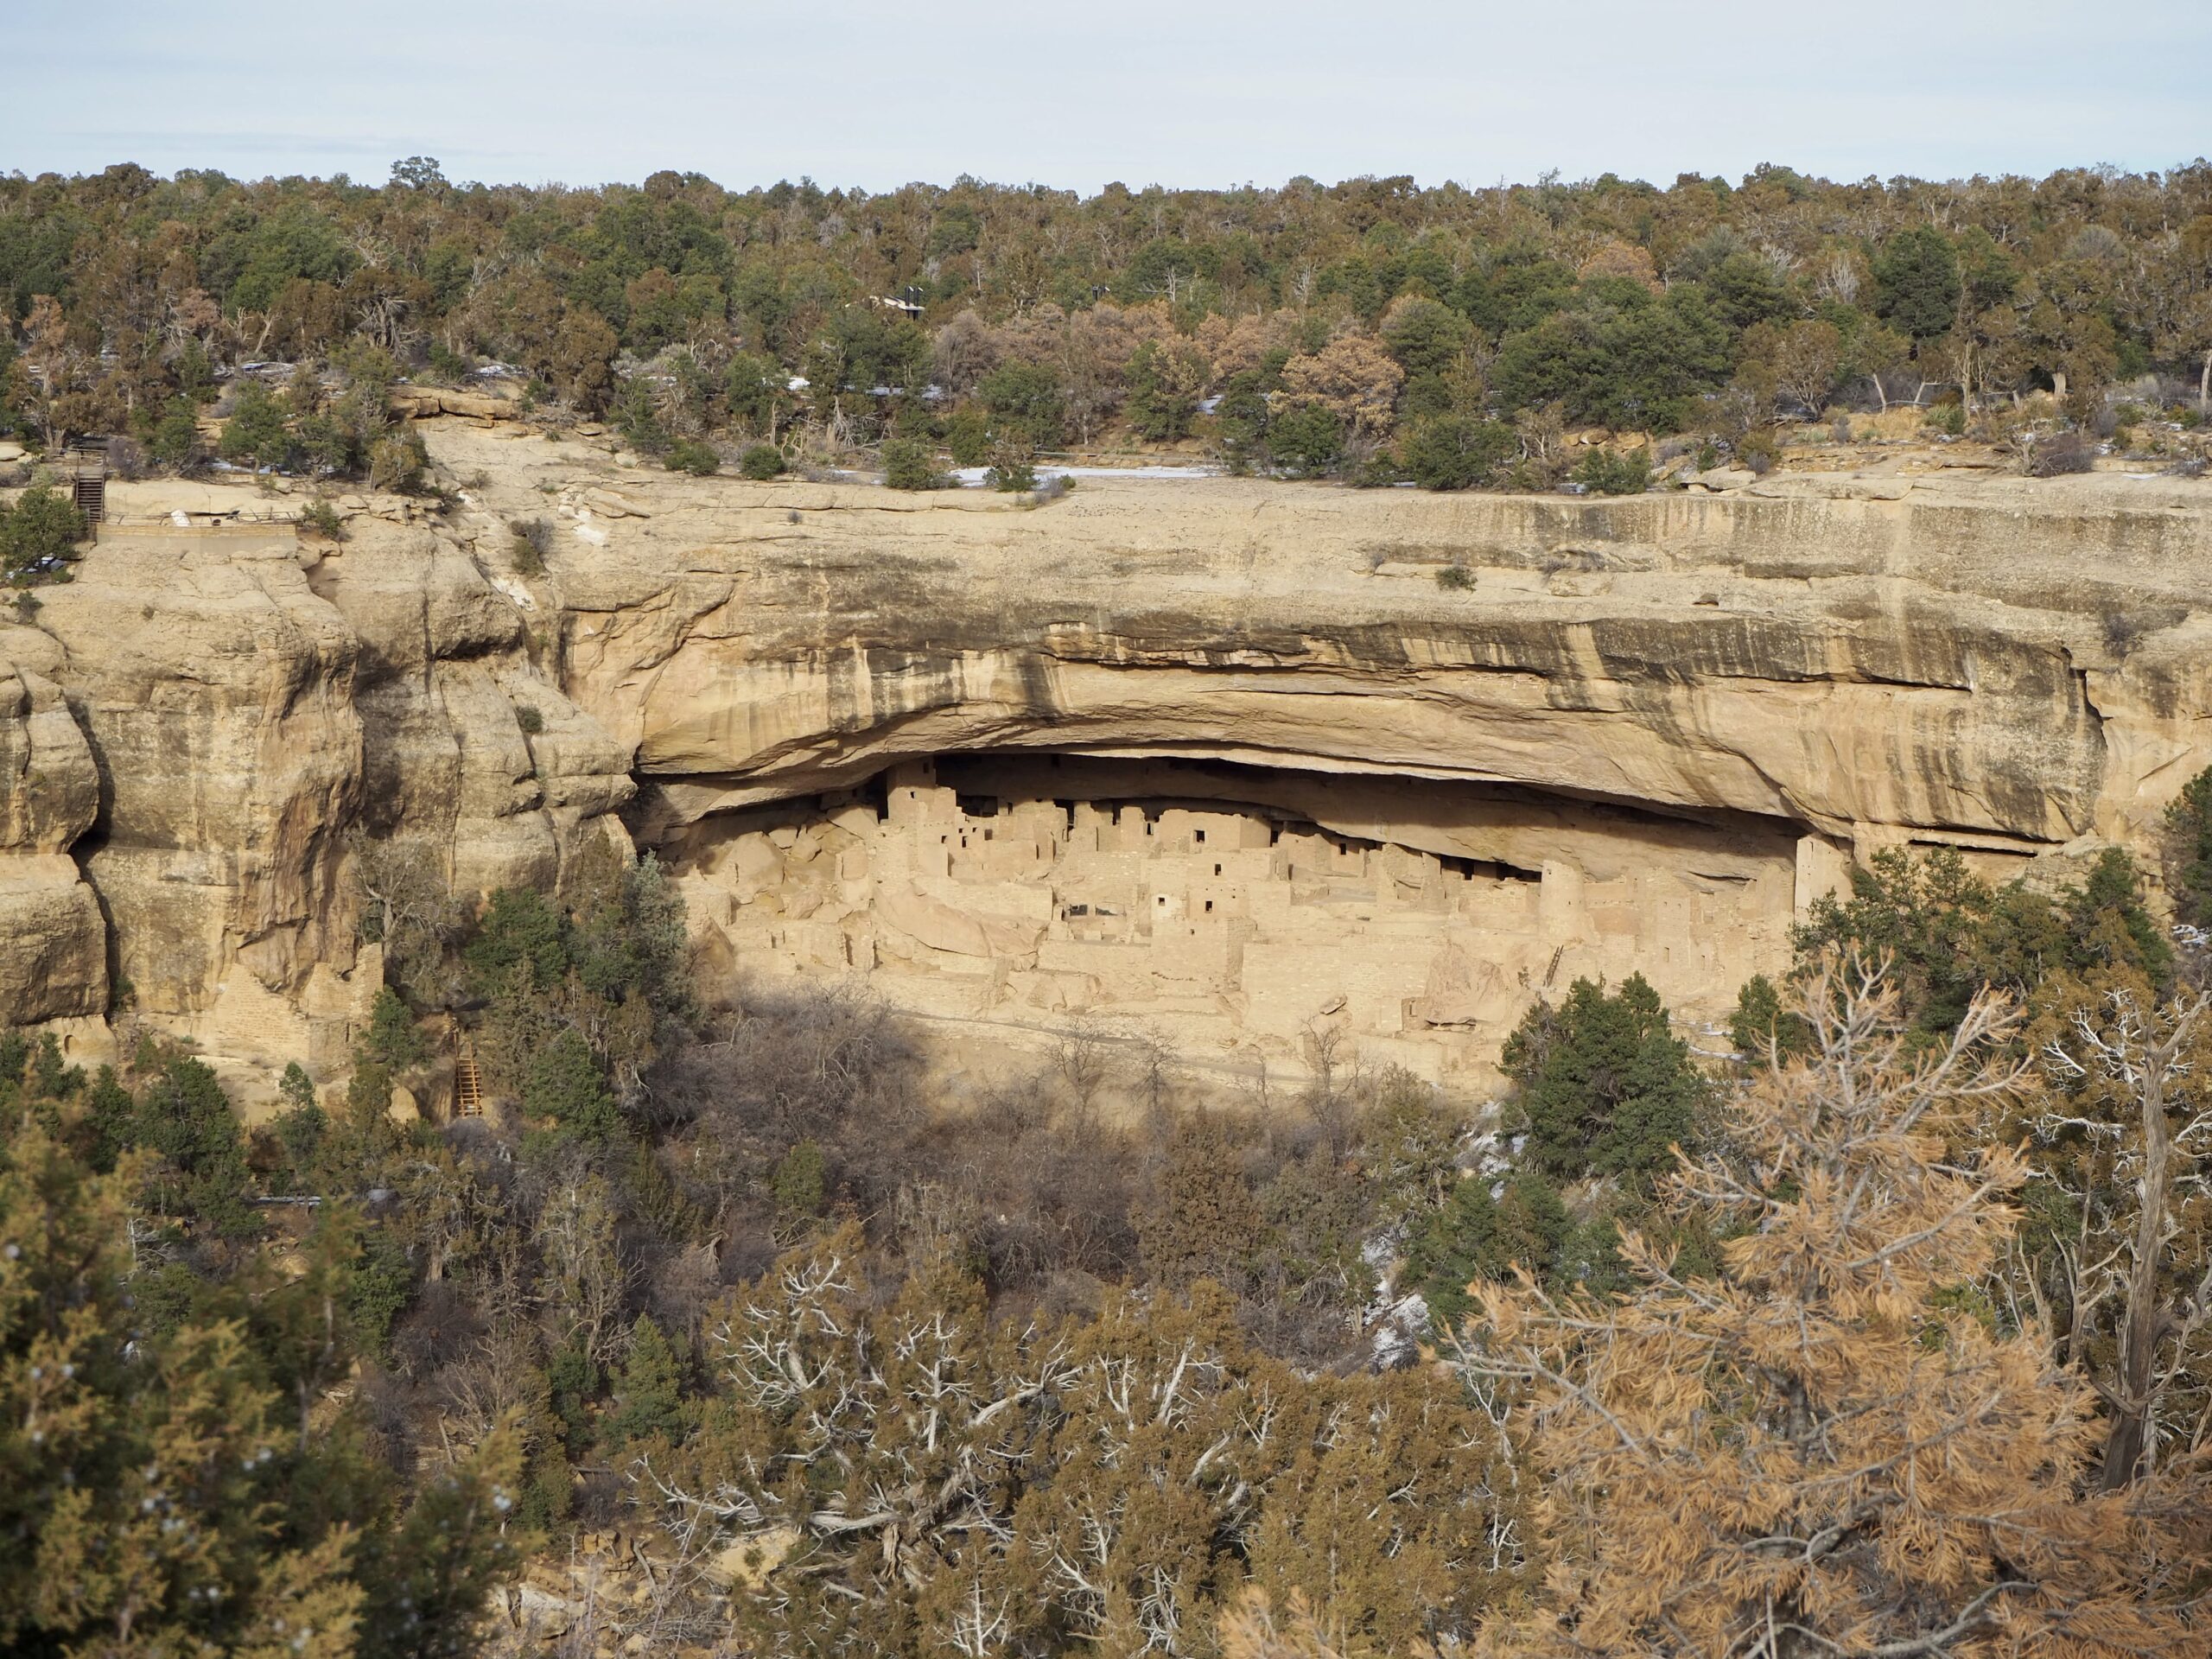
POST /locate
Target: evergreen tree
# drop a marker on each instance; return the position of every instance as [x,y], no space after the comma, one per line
[40,527]
[1761,1025]
[1483,1231]
[184,1117]
[1822,1437]
[1916,283]
[1604,1087]
[1456,452]
[1205,1222]
[257,432]
[565,1085]
[648,1391]
[2189,851]
[161,1495]
[392,1039]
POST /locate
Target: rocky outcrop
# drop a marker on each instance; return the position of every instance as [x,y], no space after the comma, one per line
[2008,665]
[1796,671]
[1789,672]
[52,946]
[216,693]
[200,725]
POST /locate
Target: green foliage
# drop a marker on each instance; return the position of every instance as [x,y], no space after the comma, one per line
[908,465]
[2108,923]
[533,540]
[2189,851]
[1484,1234]
[377,1288]
[1375,1492]
[51,1077]
[1924,915]
[258,433]
[392,1039]
[301,1132]
[1607,472]
[1241,419]
[397,461]
[111,1115]
[648,1392]
[174,442]
[1515,288]
[321,518]
[1627,303]
[1428,340]
[864,348]
[1917,285]
[1025,402]
[760,462]
[429,1574]
[1621,357]
[1947,934]
[195,375]
[1161,402]
[1306,442]
[1203,1222]
[1603,1086]
[1411,1144]
[1455,578]
[163,1480]
[799,1187]
[755,389]
[689,455]
[42,526]
[199,1173]
[1762,1026]
[519,927]
[1014,467]
[564,1085]
[1457,452]
[968,436]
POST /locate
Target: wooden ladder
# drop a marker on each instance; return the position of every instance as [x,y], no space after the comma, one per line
[88,479]
[468,1086]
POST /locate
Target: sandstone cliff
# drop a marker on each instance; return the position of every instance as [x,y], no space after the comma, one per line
[1794,673]
[1676,718]
[205,714]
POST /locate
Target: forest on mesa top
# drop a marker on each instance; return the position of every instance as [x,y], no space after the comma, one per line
[1328,321]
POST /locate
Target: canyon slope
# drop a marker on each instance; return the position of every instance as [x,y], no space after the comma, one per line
[1217,766]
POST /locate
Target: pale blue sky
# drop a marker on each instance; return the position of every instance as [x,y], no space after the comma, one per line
[1199,93]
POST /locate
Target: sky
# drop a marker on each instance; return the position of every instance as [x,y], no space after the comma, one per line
[1205,92]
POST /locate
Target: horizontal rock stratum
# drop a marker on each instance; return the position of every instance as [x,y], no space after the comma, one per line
[1789,675]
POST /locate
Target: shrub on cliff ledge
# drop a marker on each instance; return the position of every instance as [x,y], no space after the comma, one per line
[689,455]
[906,465]
[1602,471]
[41,527]
[1457,452]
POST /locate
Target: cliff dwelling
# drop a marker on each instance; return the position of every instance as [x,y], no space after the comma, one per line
[1238,914]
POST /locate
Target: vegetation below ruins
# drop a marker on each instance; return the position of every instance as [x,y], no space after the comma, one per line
[865,1376]
[1880,1325]
[1369,329]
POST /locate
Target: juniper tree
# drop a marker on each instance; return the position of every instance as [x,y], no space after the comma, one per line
[1822,1448]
